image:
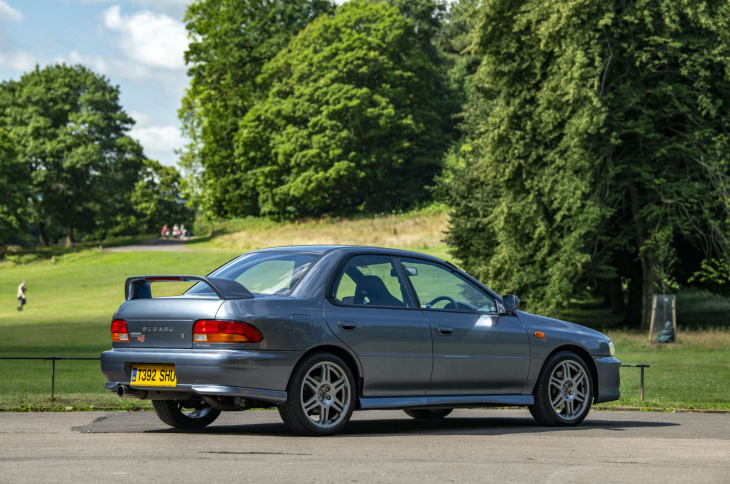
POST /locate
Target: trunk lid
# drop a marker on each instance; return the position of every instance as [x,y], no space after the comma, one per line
[165,322]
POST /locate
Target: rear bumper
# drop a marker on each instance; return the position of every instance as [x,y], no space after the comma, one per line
[609,379]
[259,375]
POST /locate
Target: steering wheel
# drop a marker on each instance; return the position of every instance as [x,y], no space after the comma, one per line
[444,298]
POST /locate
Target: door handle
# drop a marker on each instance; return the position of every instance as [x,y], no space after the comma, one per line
[347,325]
[444,330]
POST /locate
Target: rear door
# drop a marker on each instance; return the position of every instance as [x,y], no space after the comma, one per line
[372,311]
[165,322]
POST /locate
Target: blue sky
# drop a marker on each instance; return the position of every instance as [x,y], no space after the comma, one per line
[137,44]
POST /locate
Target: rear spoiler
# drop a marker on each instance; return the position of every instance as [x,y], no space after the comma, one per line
[138,287]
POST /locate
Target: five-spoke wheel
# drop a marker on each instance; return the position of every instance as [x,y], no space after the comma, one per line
[564,391]
[321,396]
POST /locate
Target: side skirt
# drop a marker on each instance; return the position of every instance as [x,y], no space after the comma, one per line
[382,403]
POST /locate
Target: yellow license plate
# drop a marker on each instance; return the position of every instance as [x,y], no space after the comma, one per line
[153,376]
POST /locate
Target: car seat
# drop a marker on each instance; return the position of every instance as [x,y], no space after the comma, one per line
[373,288]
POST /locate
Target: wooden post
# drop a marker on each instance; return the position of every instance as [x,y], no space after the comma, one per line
[653,315]
[674,317]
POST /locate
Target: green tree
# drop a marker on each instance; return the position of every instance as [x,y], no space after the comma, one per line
[455,45]
[70,134]
[156,198]
[231,41]
[14,191]
[350,123]
[599,143]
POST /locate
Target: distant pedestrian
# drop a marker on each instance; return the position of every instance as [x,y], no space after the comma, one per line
[183,232]
[175,231]
[21,295]
[165,232]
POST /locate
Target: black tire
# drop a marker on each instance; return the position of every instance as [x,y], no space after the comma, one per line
[571,387]
[173,413]
[331,398]
[427,413]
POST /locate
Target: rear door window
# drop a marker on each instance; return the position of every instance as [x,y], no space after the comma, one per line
[372,280]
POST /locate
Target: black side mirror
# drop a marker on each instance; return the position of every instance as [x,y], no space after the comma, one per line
[510,302]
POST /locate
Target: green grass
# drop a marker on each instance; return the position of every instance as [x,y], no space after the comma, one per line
[71,303]
[692,373]
[70,306]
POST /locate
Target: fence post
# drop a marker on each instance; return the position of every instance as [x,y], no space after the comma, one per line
[642,383]
[641,387]
[53,378]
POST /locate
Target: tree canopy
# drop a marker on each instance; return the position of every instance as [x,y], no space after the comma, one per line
[599,142]
[350,122]
[13,191]
[231,41]
[79,165]
[156,197]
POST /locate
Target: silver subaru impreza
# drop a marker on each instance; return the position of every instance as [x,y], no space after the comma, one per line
[321,331]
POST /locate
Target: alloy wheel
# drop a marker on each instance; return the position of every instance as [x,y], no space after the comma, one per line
[325,394]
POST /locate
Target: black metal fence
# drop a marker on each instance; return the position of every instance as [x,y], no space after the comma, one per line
[53,365]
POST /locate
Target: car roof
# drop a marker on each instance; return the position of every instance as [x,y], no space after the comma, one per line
[345,249]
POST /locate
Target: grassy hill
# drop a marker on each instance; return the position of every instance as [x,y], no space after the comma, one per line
[422,231]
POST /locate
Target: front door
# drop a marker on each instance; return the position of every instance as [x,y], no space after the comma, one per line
[373,312]
[476,350]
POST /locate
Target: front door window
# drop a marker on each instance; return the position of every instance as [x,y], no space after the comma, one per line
[440,288]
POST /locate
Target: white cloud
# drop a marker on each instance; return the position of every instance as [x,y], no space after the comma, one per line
[158,139]
[20,61]
[110,66]
[140,118]
[8,12]
[150,39]
[175,8]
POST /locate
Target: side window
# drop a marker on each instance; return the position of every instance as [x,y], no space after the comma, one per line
[372,280]
[439,288]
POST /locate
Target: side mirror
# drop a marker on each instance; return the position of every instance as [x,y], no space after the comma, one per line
[510,302]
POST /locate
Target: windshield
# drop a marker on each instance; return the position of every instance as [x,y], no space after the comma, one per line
[262,272]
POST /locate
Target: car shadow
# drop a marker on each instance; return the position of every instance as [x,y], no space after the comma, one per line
[447,426]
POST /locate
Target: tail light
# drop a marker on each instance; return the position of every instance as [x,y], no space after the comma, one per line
[212,331]
[119,331]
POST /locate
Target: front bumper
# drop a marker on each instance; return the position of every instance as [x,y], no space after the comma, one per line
[609,379]
[259,375]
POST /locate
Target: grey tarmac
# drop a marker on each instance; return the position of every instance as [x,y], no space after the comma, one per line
[376,446]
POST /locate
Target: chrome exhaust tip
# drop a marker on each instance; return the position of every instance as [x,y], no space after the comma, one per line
[123,391]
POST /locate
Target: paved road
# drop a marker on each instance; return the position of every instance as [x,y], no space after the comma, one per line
[386,446]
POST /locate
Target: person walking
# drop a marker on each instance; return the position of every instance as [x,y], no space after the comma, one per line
[21,295]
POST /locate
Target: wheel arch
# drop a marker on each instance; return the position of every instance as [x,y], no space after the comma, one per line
[585,355]
[346,356]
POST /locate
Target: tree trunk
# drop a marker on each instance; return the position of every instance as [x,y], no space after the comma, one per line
[632,316]
[647,258]
[42,235]
[69,236]
[649,285]
[616,296]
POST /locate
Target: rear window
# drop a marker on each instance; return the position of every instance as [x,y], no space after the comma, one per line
[263,272]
